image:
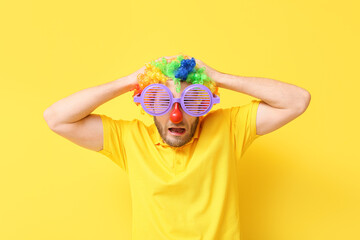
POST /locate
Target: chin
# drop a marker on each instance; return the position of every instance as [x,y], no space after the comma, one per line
[175,141]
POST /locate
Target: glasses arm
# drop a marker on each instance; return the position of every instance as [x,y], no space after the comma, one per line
[137,99]
[216,99]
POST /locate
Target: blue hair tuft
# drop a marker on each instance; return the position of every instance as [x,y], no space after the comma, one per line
[186,67]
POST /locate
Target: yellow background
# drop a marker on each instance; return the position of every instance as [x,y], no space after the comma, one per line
[299,182]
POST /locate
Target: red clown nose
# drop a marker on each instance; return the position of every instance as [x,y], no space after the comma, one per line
[176,115]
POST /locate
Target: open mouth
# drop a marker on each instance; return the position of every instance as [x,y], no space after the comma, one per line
[177,131]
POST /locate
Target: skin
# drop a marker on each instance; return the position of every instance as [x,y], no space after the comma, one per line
[163,122]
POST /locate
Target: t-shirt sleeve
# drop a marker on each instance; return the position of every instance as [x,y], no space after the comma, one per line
[113,141]
[243,124]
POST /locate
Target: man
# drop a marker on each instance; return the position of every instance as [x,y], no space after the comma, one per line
[183,185]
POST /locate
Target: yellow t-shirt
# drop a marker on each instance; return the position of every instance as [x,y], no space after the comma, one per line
[190,192]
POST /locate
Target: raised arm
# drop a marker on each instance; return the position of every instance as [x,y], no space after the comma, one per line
[280,102]
[71,117]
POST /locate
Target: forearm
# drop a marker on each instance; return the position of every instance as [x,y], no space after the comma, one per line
[80,104]
[275,93]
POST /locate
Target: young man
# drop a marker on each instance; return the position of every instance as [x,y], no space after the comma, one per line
[183,174]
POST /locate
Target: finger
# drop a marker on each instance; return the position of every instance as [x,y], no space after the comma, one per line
[168,58]
[160,58]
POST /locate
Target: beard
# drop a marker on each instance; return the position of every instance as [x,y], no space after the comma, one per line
[176,141]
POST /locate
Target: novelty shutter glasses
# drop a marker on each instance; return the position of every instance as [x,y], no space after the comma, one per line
[196,99]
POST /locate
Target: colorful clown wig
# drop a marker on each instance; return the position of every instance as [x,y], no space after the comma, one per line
[179,69]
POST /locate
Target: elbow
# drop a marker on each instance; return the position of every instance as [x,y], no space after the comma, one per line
[47,118]
[306,96]
[46,115]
